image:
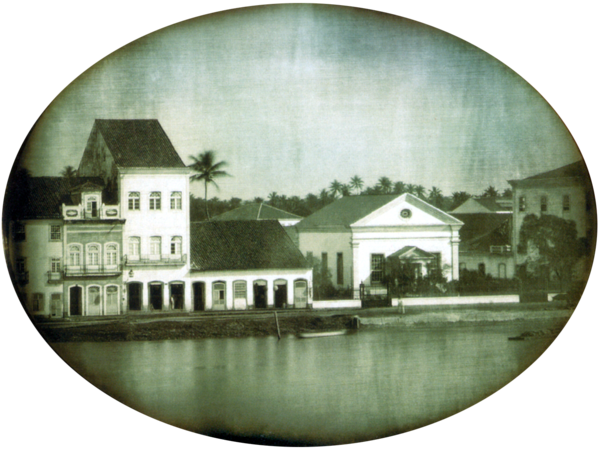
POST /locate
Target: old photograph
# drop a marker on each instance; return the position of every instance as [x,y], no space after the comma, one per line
[298,225]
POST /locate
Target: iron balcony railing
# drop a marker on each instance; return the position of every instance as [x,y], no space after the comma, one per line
[91,271]
[161,260]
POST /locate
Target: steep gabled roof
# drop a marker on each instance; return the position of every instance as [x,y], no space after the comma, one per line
[138,143]
[256,211]
[42,197]
[243,245]
[345,211]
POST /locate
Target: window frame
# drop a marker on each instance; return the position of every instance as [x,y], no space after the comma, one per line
[176,246]
[19,232]
[340,268]
[154,201]
[566,203]
[108,251]
[55,264]
[155,243]
[176,201]
[89,254]
[37,301]
[133,201]
[543,204]
[377,270]
[237,291]
[135,243]
[78,252]
[52,236]
[21,265]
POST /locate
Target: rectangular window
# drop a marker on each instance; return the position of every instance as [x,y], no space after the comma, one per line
[340,268]
[175,200]
[566,203]
[133,201]
[55,233]
[55,265]
[377,268]
[134,247]
[155,242]
[544,204]
[38,302]
[324,265]
[19,232]
[176,245]
[155,201]
[522,205]
[20,265]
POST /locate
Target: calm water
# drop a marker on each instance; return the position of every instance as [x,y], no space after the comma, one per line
[316,391]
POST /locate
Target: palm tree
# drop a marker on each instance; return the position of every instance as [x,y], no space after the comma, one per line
[459,197]
[345,191]
[386,184]
[273,198]
[490,192]
[207,170]
[420,191]
[410,188]
[356,183]
[69,172]
[435,196]
[399,187]
[335,188]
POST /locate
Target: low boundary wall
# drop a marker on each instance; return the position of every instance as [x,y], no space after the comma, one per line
[334,304]
[474,300]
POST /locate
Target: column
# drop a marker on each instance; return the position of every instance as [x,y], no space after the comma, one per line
[166,297]
[188,304]
[270,294]
[145,296]
[355,269]
[455,263]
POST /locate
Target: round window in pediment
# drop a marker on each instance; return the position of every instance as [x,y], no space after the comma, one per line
[406,213]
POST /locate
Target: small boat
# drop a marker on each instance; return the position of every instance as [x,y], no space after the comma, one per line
[318,334]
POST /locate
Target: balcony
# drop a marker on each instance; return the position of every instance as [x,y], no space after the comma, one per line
[500,248]
[156,260]
[78,212]
[93,271]
[54,277]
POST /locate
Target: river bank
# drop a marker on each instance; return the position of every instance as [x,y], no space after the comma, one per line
[189,326]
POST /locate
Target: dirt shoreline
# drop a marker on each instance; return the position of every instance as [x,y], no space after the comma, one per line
[144,328]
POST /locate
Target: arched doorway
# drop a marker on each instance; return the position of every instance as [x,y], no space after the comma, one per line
[280,293]
[199,295]
[155,294]
[260,294]
[75,299]
[134,295]
[176,294]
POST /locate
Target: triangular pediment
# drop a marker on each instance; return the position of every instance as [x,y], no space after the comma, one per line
[406,210]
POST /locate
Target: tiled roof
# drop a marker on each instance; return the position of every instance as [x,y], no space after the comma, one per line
[349,210]
[576,169]
[45,195]
[256,211]
[243,245]
[138,143]
[481,205]
[483,230]
[345,211]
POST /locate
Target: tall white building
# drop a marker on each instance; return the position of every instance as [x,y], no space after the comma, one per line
[116,238]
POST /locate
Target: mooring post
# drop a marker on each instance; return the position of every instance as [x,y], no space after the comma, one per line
[277,322]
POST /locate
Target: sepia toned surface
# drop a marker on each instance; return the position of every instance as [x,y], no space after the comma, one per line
[273,137]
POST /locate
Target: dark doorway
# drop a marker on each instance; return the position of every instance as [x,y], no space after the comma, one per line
[75,300]
[198,289]
[156,296]
[280,293]
[260,294]
[135,296]
[177,295]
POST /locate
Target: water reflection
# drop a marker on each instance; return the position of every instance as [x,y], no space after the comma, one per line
[321,391]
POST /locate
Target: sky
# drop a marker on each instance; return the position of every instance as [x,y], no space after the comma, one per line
[295,96]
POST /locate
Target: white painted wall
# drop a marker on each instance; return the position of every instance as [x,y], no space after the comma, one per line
[38,249]
[250,276]
[165,223]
